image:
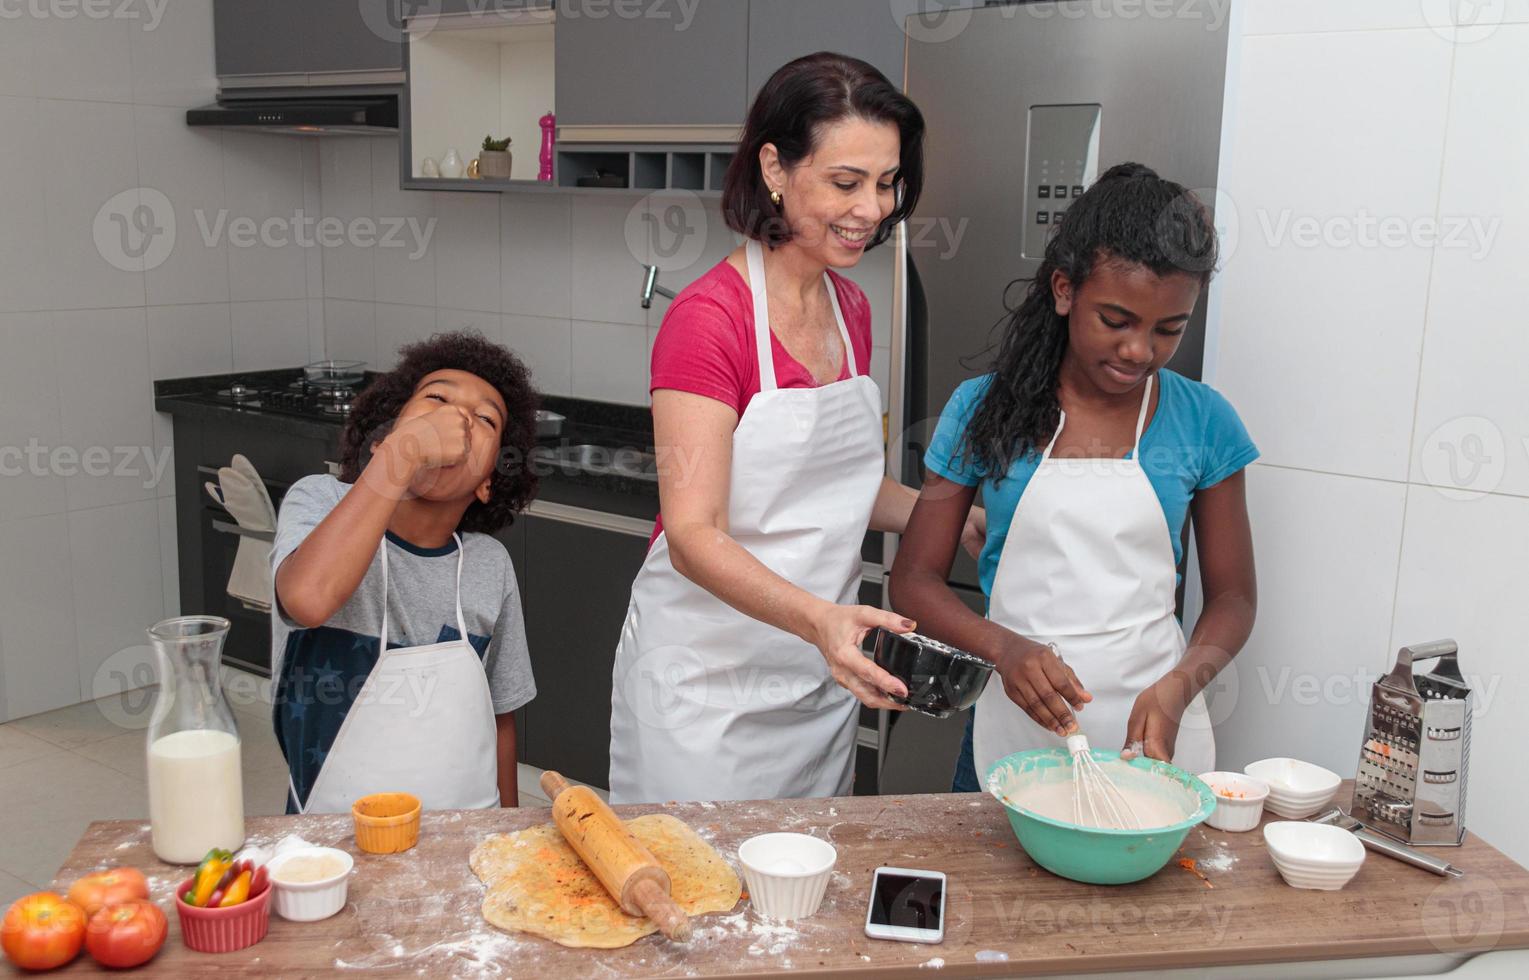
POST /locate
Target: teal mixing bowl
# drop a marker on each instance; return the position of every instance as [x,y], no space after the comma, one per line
[1087,854]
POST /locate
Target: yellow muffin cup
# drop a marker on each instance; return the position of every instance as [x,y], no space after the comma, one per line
[386,823]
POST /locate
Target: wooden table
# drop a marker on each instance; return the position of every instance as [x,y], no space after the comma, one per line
[417,912]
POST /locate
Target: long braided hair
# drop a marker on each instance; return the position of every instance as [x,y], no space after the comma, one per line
[1129,215]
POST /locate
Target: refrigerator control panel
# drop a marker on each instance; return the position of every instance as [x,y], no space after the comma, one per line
[1061,159]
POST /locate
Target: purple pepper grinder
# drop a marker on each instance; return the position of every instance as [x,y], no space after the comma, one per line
[549,125]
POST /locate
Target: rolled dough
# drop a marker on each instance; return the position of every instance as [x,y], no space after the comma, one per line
[538,884]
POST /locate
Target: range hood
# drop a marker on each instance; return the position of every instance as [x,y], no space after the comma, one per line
[316,115]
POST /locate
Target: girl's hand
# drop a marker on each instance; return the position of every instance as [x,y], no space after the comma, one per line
[1155,718]
[1041,683]
[436,439]
[837,632]
[974,533]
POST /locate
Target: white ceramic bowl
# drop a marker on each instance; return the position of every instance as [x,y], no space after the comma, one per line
[1296,789]
[1239,800]
[786,874]
[1311,855]
[309,901]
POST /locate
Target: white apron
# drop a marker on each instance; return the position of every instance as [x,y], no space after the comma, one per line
[422,724]
[707,703]
[1088,565]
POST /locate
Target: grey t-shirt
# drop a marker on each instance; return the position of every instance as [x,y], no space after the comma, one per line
[421,600]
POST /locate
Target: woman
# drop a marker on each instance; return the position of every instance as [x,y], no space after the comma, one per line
[1091,454]
[739,665]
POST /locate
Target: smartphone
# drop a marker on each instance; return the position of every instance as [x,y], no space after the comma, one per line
[907,905]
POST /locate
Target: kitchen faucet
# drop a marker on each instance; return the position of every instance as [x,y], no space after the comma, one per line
[650,286]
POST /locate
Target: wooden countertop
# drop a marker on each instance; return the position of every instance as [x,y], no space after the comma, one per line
[417,912]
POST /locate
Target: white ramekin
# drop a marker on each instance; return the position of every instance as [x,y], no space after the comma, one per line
[1239,812]
[1296,789]
[1311,855]
[310,901]
[786,874]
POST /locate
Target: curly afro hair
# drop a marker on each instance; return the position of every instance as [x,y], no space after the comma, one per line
[513,484]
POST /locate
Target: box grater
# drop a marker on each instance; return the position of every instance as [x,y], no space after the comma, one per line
[1412,766]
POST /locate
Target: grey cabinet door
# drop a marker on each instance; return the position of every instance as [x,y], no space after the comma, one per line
[260,37]
[353,35]
[580,581]
[659,62]
[781,31]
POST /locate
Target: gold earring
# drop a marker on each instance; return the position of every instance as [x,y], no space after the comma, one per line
[775,198]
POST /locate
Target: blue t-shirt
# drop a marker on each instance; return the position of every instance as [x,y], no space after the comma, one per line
[1194,441]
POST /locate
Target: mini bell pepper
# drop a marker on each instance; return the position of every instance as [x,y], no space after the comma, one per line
[208,875]
[237,892]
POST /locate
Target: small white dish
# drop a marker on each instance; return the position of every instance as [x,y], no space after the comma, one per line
[786,874]
[1296,789]
[1314,856]
[1239,800]
[310,901]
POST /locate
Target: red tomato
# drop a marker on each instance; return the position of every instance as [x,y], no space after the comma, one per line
[100,888]
[42,930]
[126,934]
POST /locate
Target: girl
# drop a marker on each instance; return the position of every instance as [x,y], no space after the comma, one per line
[398,645]
[1091,454]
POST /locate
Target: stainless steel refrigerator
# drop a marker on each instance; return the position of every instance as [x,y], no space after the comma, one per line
[1026,104]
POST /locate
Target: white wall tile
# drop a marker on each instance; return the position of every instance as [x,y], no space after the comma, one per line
[534,250]
[188,340]
[546,346]
[186,165]
[24,232]
[1311,16]
[346,174]
[466,247]
[610,362]
[164,453]
[101,363]
[404,266]
[18,44]
[1326,550]
[681,226]
[169,560]
[1462,579]
[606,263]
[263,180]
[115,601]
[1472,426]
[488,324]
[1319,346]
[400,325]
[83,57]
[270,334]
[29,416]
[81,172]
[173,55]
[316,330]
[313,204]
[36,615]
[350,330]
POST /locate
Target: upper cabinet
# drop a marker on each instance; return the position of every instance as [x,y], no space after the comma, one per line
[308,37]
[781,31]
[679,69]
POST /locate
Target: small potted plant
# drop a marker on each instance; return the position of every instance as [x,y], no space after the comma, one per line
[494,161]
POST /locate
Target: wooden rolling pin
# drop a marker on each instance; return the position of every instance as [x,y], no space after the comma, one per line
[628,870]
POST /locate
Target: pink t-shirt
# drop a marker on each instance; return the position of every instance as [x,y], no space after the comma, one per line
[706,343]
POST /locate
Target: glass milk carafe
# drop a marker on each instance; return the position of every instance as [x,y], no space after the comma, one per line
[196,796]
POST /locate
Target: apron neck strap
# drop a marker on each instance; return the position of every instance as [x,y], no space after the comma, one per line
[382,640]
[754,252]
[1141,422]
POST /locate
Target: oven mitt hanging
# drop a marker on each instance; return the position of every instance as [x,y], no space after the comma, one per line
[245,496]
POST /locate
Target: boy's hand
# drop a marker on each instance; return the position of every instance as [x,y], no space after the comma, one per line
[437,439]
[1041,683]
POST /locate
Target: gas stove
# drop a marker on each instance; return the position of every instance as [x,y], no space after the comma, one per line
[279,392]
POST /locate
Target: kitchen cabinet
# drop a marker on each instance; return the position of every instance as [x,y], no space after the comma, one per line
[294,37]
[625,64]
[781,31]
[579,581]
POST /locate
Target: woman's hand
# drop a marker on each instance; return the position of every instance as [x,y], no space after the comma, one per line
[1155,718]
[837,632]
[974,532]
[1041,683]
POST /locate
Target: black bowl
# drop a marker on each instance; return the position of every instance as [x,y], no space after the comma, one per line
[941,679]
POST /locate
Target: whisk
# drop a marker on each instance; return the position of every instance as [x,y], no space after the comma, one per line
[1095,799]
